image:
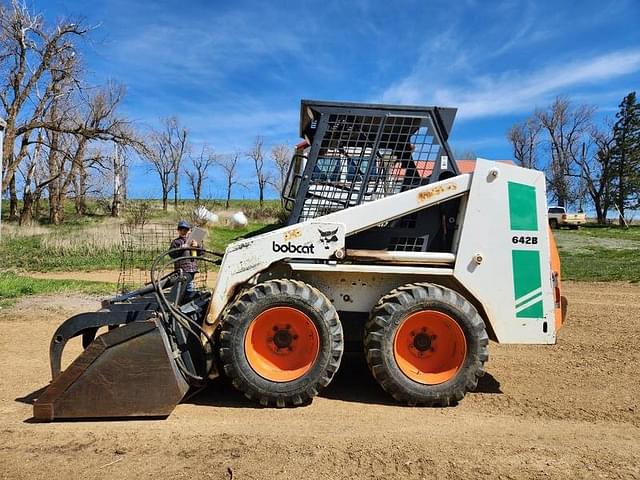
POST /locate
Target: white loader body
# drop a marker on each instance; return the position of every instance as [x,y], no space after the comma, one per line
[500,258]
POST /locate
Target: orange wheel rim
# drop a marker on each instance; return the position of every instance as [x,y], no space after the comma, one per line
[281,344]
[429,347]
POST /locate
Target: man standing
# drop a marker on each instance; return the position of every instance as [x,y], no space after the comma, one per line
[189,266]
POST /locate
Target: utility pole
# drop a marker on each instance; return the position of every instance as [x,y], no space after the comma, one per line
[3,125]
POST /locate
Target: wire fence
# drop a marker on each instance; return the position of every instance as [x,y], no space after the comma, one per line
[140,245]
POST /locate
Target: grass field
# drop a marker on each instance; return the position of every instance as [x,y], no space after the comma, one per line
[13,286]
[595,253]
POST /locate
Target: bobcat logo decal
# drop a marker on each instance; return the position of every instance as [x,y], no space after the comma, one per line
[327,238]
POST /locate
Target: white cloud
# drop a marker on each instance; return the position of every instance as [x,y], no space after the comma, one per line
[513,91]
[204,49]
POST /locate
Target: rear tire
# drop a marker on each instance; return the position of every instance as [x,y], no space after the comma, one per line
[426,344]
[281,342]
[553,223]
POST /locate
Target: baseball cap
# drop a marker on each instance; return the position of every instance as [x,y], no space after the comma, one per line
[183,224]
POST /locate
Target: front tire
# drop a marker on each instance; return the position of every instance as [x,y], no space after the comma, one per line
[281,342]
[426,344]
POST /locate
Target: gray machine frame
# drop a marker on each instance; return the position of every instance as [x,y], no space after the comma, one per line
[358,153]
[441,119]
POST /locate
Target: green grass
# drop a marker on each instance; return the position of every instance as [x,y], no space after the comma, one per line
[607,231]
[27,253]
[601,264]
[220,237]
[14,286]
[595,253]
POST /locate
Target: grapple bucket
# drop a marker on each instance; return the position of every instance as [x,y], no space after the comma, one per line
[142,367]
[126,372]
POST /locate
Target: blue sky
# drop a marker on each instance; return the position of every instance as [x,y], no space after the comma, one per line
[233,70]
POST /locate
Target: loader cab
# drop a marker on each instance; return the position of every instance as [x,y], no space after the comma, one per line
[357,153]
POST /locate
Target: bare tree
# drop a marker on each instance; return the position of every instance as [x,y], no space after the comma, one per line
[38,64]
[596,165]
[565,127]
[164,151]
[281,157]
[35,181]
[525,140]
[89,120]
[112,169]
[197,174]
[262,176]
[229,166]
[49,115]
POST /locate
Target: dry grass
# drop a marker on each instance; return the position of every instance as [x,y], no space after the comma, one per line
[14,231]
[83,241]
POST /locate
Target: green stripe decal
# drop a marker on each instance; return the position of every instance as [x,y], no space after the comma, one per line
[522,206]
[534,311]
[527,283]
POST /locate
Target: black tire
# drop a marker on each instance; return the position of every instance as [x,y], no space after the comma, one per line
[386,319]
[240,315]
[553,223]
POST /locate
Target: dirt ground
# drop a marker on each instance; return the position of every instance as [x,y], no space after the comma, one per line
[565,411]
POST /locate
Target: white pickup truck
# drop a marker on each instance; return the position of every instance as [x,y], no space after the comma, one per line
[558,218]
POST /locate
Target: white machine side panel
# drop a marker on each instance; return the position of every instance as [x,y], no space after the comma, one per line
[503,256]
[243,259]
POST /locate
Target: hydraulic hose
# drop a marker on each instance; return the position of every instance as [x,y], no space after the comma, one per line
[171,311]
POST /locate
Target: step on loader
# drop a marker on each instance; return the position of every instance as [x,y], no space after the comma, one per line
[388,247]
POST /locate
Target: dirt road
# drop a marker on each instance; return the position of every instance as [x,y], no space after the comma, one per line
[567,411]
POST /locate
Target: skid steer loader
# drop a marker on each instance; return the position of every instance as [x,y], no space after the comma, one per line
[388,246]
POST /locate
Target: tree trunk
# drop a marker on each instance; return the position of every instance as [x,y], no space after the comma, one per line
[116,204]
[226,205]
[81,188]
[621,184]
[26,214]
[198,190]
[602,219]
[621,217]
[56,210]
[175,191]
[13,198]
[261,196]
[606,205]
[56,203]
[7,156]
[55,194]
[116,207]
[36,208]
[164,201]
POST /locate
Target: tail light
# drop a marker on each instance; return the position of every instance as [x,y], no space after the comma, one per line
[564,216]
